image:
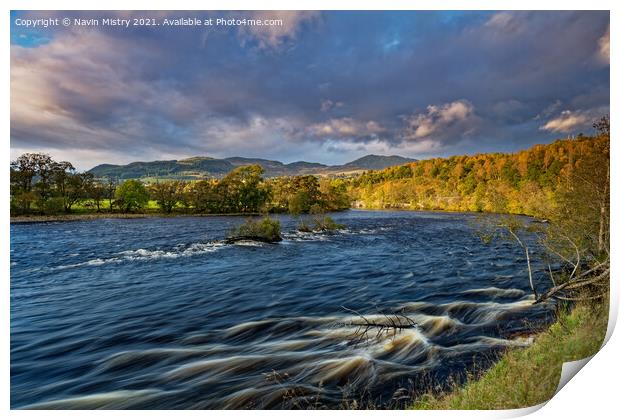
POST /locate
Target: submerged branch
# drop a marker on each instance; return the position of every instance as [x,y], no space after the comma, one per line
[577,282]
[390,323]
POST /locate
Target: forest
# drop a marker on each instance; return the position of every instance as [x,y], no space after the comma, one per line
[526,182]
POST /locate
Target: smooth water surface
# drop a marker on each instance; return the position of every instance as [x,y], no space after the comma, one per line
[158,313]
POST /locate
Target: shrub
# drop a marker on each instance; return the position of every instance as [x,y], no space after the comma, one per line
[326,224]
[304,227]
[265,229]
[54,205]
[320,223]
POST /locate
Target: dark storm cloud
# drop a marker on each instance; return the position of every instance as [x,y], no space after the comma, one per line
[327,87]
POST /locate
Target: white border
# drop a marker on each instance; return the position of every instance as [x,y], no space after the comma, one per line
[592,394]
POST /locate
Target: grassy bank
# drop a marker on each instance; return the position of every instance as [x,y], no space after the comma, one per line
[527,377]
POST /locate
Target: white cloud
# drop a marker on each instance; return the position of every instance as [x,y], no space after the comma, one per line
[343,128]
[441,121]
[603,47]
[382,147]
[568,121]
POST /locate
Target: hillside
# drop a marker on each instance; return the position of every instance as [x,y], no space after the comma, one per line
[206,167]
[374,162]
[524,182]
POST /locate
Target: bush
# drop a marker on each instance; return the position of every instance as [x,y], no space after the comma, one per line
[321,223]
[304,227]
[265,229]
[54,205]
[326,224]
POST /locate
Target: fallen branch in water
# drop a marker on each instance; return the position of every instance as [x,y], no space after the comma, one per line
[588,278]
[389,323]
[584,276]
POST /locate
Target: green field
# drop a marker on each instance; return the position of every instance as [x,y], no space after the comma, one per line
[88,207]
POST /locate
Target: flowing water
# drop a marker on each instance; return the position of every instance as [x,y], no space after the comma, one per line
[159,313]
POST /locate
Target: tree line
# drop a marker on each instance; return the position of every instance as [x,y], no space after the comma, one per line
[532,182]
[40,185]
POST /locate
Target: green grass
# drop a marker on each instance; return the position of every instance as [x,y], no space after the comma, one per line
[88,207]
[527,377]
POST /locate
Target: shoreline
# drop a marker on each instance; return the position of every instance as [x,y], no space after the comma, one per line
[20,220]
[400,209]
[96,216]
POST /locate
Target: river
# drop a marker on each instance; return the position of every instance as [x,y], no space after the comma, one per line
[159,313]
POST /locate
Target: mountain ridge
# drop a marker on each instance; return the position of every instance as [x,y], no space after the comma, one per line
[197,167]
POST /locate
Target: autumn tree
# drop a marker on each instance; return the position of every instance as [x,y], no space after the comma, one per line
[166,194]
[204,196]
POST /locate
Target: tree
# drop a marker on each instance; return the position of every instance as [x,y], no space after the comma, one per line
[577,235]
[243,189]
[68,185]
[602,126]
[110,191]
[167,194]
[77,189]
[26,170]
[334,194]
[583,198]
[131,195]
[204,196]
[96,192]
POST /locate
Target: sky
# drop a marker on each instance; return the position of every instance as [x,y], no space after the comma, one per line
[324,87]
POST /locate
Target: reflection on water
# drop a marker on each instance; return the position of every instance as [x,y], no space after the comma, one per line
[158,313]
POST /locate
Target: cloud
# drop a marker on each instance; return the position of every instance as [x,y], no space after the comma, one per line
[569,121]
[603,47]
[301,90]
[79,89]
[507,22]
[345,128]
[328,105]
[383,147]
[549,110]
[274,36]
[441,121]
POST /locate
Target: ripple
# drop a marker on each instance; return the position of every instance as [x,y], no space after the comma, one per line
[142,254]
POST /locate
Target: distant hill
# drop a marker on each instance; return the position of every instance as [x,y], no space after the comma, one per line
[376,162]
[205,167]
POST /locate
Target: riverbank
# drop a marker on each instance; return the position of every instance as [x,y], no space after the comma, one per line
[439,210]
[96,216]
[527,377]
